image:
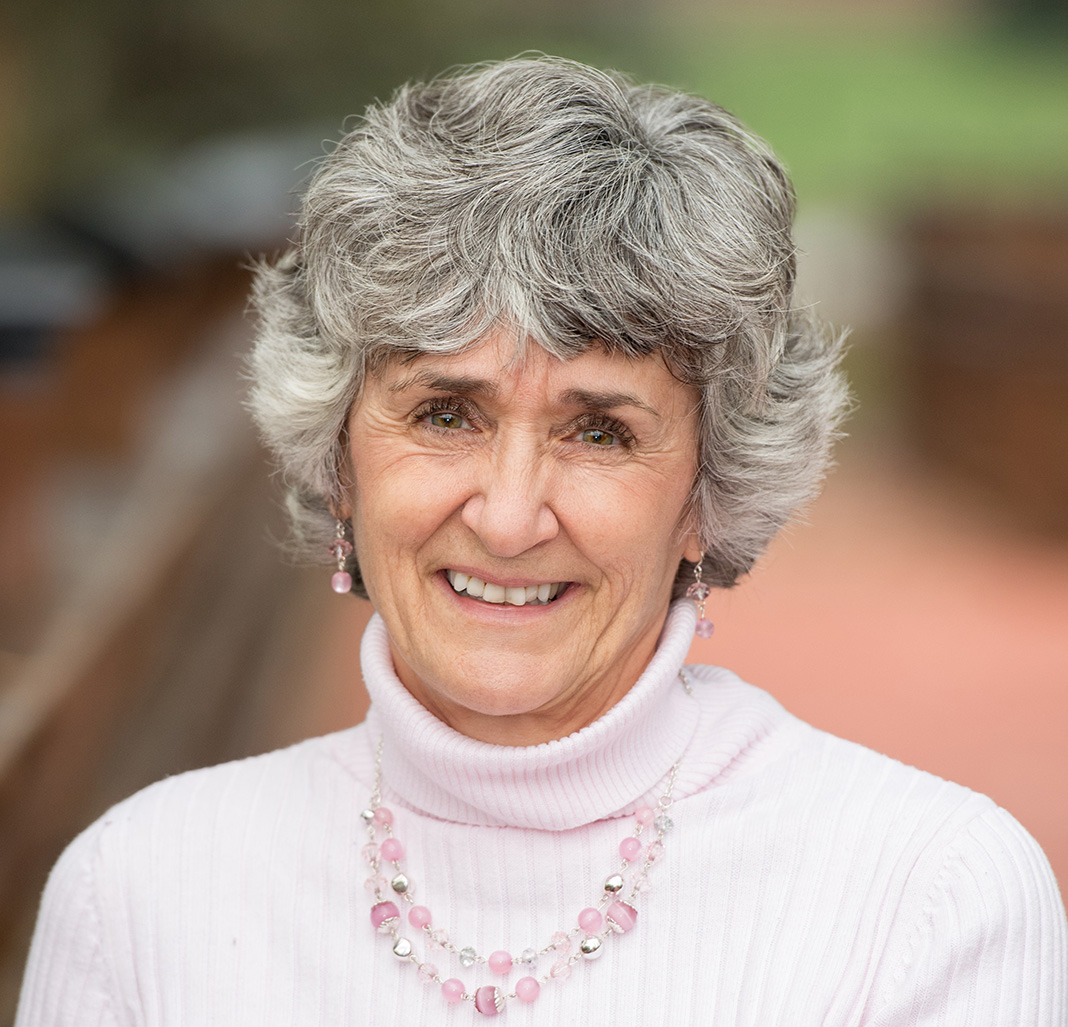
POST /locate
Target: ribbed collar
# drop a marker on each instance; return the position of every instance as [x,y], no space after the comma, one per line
[604,770]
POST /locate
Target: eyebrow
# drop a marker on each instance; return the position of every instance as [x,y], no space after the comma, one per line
[465,384]
[468,385]
[604,400]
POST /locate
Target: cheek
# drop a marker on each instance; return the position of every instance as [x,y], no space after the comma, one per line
[636,525]
[398,504]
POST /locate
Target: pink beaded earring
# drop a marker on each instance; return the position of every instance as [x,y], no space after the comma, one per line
[341,549]
[699,592]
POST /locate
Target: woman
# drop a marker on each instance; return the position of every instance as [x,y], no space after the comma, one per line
[533,377]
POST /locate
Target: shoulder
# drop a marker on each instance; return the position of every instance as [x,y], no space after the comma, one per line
[948,902]
[248,791]
[777,756]
[166,867]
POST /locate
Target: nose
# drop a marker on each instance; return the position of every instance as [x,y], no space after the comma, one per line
[509,508]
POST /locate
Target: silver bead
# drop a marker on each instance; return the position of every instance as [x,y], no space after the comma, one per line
[468,956]
[399,884]
[402,948]
[663,823]
[590,947]
[614,883]
[367,815]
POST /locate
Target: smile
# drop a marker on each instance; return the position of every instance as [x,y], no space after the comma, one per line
[513,595]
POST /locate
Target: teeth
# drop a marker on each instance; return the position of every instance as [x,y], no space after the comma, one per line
[493,593]
[513,595]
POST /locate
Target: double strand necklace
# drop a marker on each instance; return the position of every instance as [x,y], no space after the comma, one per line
[614,914]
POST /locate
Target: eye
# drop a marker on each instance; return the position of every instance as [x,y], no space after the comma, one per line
[444,415]
[447,419]
[599,437]
[601,432]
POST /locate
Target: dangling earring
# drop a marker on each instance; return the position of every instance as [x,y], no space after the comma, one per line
[341,549]
[699,592]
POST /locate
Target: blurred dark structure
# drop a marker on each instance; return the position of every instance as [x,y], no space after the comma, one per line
[989,354]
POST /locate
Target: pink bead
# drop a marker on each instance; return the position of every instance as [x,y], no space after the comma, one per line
[392,849]
[561,942]
[526,989]
[383,816]
[383,913]
[488,1000]
[427,972]
[500,962]
[704,628]
[419,916]
[561,970]
[341,582]
[644,816]
[656,850]
[453,990]
[590,920]
[370,852]
[621,916]
[630,848]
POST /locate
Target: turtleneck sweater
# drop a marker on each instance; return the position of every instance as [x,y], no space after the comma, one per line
[805,880]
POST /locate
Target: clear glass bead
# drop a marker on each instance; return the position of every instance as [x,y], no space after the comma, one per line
[698,591]
[439,938]
[427,972]
[561,970]
[663,823]
[370,852]
[468,956]
[340,548]
[528,957]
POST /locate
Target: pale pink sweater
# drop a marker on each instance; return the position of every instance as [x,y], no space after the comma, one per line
[806,880]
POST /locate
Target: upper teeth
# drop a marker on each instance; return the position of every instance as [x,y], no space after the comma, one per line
[515,595]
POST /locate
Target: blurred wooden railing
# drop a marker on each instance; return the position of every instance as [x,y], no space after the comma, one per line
[150,655]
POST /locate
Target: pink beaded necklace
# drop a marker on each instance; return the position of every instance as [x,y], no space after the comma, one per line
[612,915]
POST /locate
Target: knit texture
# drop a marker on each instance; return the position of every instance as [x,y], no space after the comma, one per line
[806,881]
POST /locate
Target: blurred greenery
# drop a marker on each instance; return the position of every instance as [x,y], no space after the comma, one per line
[862,111]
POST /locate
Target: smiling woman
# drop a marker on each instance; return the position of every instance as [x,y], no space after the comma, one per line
[511,470]
[533,378]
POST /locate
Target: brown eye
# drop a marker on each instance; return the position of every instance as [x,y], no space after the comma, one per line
[599,437]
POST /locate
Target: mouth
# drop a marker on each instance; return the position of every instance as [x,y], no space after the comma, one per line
[510,595]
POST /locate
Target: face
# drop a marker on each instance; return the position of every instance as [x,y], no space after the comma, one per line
[519,522]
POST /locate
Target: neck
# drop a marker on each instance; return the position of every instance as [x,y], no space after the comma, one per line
[606,768]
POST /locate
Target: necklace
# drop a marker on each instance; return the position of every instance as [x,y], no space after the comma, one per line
[614,913]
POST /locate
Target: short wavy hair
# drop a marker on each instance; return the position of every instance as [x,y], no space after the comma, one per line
[577,209]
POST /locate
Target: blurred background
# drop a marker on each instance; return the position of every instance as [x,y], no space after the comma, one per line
[147,151]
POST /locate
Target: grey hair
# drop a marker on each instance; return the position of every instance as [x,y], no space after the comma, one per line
[576,209]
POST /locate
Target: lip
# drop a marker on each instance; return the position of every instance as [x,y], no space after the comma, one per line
[497,611]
